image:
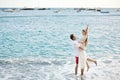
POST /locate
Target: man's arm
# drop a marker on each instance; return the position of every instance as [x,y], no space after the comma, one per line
[80,46]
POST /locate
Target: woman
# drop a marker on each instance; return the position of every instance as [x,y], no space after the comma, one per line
[83,59]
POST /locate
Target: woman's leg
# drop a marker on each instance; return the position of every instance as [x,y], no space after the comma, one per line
[92,60]
[87,65]
[82,72]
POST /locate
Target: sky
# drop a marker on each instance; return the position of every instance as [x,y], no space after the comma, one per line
[60,3]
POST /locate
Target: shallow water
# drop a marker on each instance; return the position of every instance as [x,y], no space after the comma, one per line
[37,44]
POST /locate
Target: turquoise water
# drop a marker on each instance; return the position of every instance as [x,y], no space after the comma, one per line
[49,35]
[28,39]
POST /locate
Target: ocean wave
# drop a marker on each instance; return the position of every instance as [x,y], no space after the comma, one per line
[33,61]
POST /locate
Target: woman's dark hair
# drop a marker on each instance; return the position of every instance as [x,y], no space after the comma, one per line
[71,36]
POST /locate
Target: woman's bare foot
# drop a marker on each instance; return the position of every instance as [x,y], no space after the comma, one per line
[88,67]
[96,63]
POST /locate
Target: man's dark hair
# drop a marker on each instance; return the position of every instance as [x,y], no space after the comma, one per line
[71,36]
[83,30]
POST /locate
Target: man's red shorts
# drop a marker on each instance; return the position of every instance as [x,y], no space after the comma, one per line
[77,60]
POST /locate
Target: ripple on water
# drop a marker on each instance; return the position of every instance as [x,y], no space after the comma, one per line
[115,57]
[107,61]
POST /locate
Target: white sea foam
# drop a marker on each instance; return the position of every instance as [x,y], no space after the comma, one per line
[60,69]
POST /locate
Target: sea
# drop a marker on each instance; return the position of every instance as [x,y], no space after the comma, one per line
[36,44]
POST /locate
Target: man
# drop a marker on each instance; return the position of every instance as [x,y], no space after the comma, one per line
[77,47]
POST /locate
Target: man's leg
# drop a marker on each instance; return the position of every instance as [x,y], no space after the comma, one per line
[76,69]
[92,60]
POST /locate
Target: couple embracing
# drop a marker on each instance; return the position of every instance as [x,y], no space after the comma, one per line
[79,48]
